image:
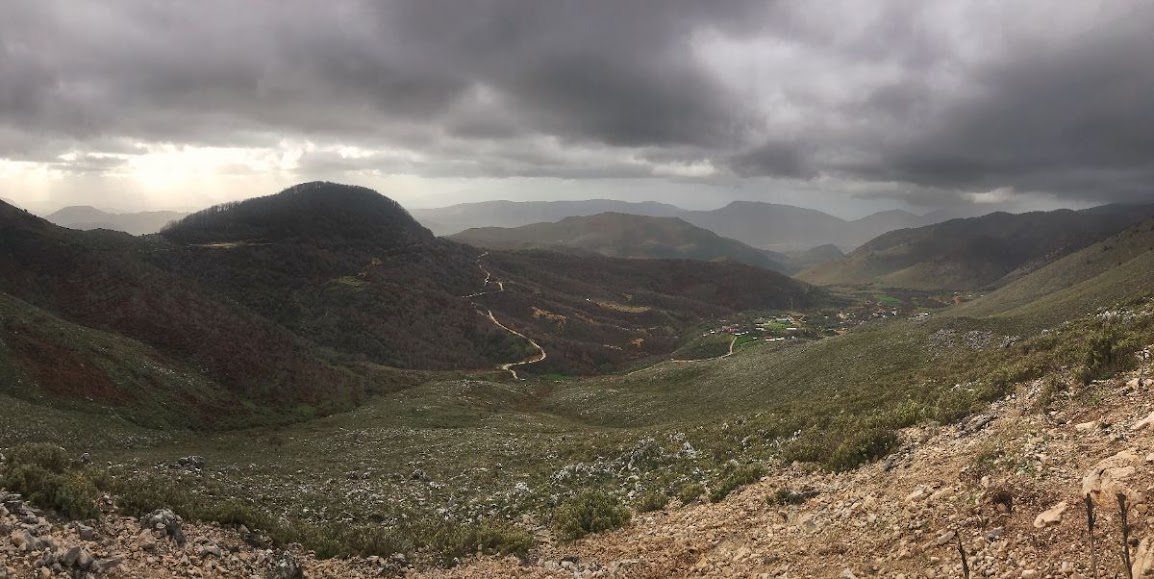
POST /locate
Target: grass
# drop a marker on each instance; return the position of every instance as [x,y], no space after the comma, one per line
[453,467]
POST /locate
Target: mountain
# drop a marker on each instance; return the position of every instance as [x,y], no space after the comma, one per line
[881,222]
[974,253]
[105,282]
[787,228]
[344,267]
[349,269]
[1115,270]
[306,301]
[814,256]
[457,218]
[623,235]
[768,225]
[760,225]
[86,218]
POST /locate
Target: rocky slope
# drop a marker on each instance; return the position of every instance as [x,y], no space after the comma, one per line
[905,516]
[1007,485]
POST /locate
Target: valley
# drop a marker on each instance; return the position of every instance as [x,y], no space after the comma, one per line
[658,391]
[431,289]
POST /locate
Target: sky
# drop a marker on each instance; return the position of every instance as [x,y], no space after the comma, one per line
[841,105]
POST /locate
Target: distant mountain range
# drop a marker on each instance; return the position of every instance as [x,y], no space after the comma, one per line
[975,253]
[457,218]
[625,235]
[759,225]
[87,218]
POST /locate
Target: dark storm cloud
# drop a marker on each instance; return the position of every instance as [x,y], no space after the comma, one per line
[1073,120]
[942,99]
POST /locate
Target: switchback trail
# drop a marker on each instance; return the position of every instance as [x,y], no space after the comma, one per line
[508,367]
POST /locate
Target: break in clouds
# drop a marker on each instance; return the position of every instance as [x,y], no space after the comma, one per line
[928,103]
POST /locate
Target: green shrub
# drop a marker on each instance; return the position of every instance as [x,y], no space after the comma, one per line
[47,478]
[805,449]
[690,492]
[861,447]
[651,501]
[590,512]
[488,538]
[786,496]
[743,476]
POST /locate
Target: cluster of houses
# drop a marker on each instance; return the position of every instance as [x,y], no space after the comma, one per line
[788,327]
[793,326]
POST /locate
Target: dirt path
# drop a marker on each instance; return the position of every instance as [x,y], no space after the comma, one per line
[533,359]
[539,356]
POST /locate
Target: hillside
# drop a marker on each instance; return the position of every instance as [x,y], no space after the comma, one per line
[714,464]
[344,267]
[86,218]
[457,218]
[1117,269]
[787,228]
[807,258]
[54,362]
[103,281]
[349,269]
[623,235]
[974,253]
[598,313]
[884,417]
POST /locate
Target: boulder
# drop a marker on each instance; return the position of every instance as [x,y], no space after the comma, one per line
[1052,516]
[283,565]
[1107,479]
[167,521]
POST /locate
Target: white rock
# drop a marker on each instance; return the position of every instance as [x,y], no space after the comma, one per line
[1053,516]
[1107,479]
[917,495]
[1144,422]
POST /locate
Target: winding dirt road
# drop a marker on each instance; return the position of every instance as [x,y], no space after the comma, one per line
[533,359]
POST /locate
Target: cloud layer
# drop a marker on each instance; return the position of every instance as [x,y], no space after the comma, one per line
[934,102]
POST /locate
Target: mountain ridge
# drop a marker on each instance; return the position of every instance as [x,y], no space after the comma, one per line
[86,217]
[976,252]
[765,226]
[625,235]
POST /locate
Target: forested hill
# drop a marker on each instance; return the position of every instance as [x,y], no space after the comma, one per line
[318,213]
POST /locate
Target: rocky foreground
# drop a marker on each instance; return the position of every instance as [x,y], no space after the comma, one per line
[1006,487]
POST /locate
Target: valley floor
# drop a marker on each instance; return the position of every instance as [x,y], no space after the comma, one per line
[901,517]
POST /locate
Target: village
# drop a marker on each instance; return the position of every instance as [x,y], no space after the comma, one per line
[786,326]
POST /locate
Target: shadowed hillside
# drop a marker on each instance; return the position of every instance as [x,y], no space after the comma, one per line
[1115,270]
[598,312]
[975,253]
[624,235]
[349,269]
[105,281]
